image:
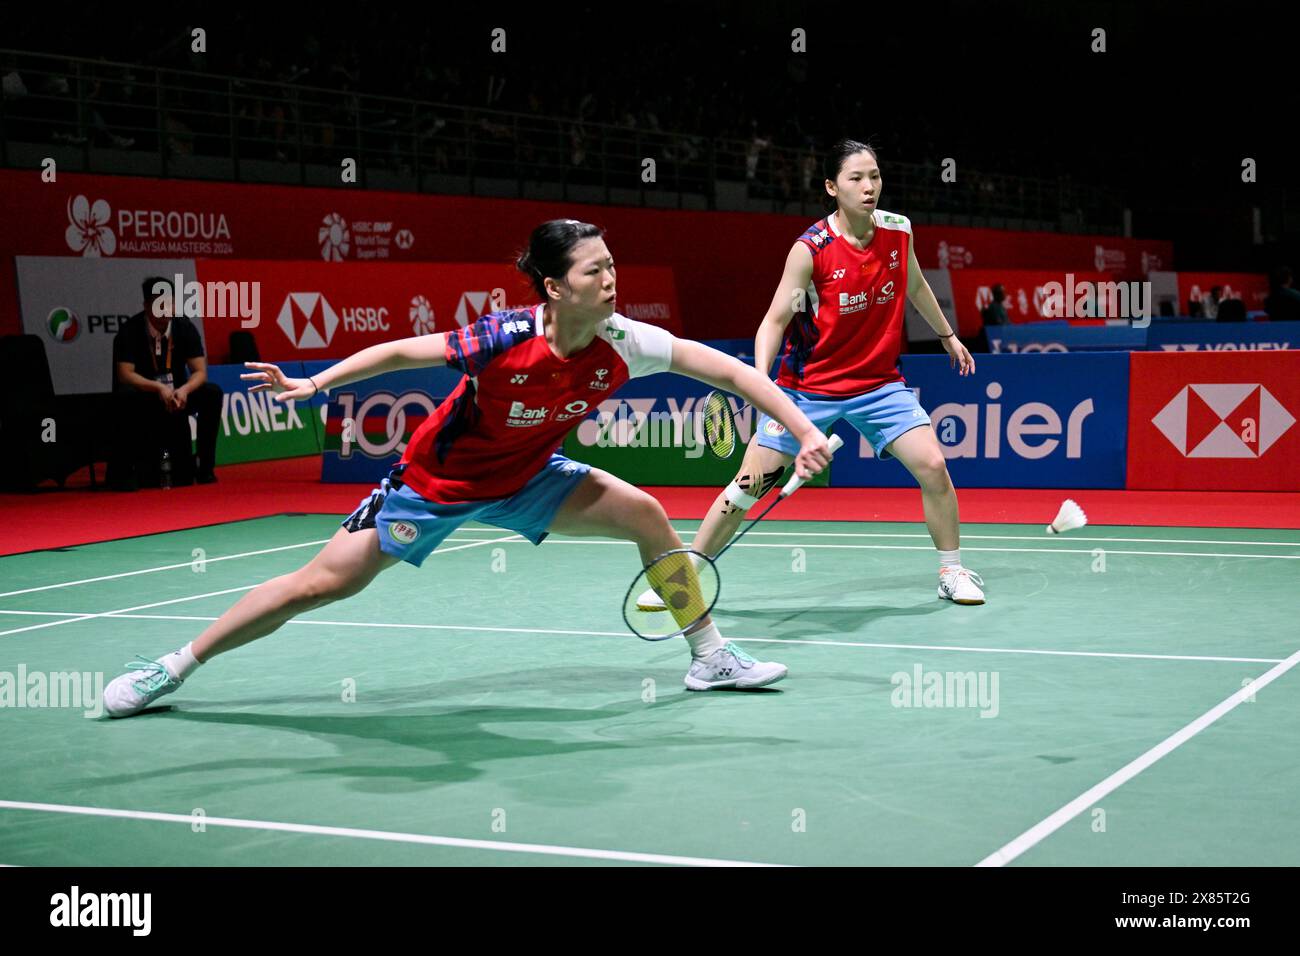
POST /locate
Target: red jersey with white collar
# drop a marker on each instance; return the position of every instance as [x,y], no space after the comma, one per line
[848,341]
[518,400]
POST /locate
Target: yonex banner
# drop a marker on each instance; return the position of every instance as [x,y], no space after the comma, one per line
[1023,421]
[1215,421]
[77,305]
[254,428]
[1223,337]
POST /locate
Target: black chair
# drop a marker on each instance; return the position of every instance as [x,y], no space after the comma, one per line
[243,348]
[1231,310]
[44,435]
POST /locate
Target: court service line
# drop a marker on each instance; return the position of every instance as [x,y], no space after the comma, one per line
[756,640]
[921,547]
[1088,798]
[384,835]
[196,597]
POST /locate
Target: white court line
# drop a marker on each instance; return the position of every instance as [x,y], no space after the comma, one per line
[983,537]
[196,597]
[164,567]
[756,640]
[385,835]
[922,547]
[1051,824]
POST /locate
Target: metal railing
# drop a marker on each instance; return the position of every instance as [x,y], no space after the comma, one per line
[108,117]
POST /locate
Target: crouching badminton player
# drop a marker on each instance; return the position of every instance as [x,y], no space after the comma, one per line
[487,454]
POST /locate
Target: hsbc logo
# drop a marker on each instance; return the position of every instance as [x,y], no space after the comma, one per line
[473,305]
[1223,421]
[307,320]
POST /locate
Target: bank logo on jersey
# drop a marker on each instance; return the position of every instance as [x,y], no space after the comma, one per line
[521,417]
[854,303]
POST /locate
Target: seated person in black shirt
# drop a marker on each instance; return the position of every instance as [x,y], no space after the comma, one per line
[1283,302]
[159,378]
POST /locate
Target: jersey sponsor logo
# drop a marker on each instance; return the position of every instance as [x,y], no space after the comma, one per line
[618,334]
[854,303]
[515,326]
[572,410]
[838,274]
[403,532]
[518,379]
[886,293]
[521,417]
[773,428]
[893,259]
[892,218]
[600,382]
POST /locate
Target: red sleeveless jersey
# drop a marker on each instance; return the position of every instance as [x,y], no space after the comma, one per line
[848,341]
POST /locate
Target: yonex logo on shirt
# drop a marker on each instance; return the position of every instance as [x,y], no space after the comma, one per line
[518,379]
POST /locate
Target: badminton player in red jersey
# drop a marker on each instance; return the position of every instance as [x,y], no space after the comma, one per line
[839,359]
[488,454]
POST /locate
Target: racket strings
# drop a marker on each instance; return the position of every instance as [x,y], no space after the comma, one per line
[719,428]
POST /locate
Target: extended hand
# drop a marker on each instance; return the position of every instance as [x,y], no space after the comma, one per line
[959,356]
[270,378]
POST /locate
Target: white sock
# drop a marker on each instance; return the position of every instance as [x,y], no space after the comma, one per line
[950,559]
[705,641]
[181,663]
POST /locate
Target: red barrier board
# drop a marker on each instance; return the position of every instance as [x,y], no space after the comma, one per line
[322,310]
[1027,294]
[1222,421]
[1251,289]
[726,265]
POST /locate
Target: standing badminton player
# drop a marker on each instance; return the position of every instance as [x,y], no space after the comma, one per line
[486,454]
[840,360]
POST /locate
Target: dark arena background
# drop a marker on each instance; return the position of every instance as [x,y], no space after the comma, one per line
[1101,199]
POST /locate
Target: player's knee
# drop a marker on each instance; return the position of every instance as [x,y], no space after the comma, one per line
[645,518]
[932,469]
[323,587]
[749,485]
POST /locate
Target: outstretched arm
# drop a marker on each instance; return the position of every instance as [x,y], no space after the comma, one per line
[720,370]
[418,351]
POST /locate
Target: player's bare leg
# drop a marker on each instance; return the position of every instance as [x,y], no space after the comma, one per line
[919,452]
[608,507]
[345,566]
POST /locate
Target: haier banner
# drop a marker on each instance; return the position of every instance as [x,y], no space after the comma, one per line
[1022,421]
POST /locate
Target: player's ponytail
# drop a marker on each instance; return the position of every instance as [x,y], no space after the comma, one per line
[550,248]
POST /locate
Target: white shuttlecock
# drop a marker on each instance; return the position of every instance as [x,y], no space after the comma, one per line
[1070,516]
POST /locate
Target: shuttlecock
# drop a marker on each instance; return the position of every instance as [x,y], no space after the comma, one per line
[1070,516]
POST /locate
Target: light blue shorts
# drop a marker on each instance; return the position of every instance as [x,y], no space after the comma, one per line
[410,526]
[880,415]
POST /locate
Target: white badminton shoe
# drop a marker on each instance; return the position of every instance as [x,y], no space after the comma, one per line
[729,666]
[134,691]
[961,586]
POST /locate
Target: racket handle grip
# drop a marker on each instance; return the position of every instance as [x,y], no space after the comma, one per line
[795,482]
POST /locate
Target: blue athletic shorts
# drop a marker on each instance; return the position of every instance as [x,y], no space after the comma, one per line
[410,526]
[880,415]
